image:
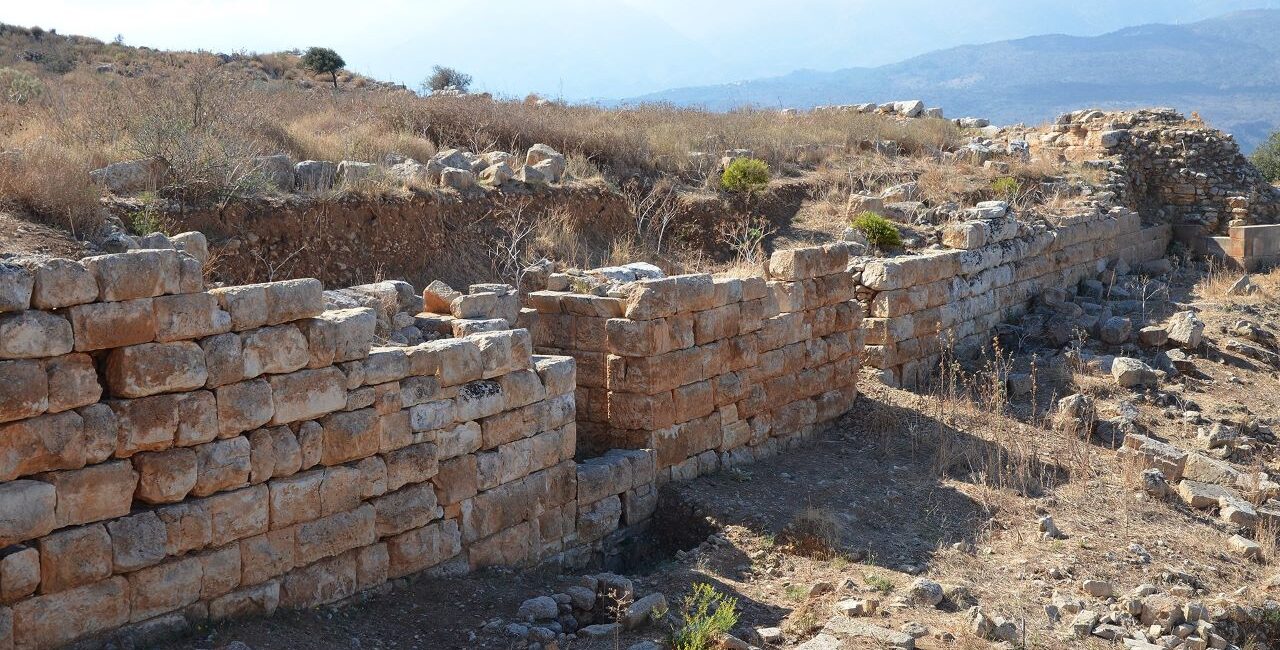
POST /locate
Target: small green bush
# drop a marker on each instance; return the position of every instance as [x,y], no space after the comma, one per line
[18,87]
[879,583]
[745,175]
[705,616]
[880,232]
[1267,158]
[1006,186]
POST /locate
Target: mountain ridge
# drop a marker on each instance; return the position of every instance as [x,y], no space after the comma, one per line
[1224,68]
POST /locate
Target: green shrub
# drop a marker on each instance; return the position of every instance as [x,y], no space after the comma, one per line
[1006,187]
[880,232]
[18,87]
[1267,158]
[323,60]
[745,175]
[879,583]
[705,616]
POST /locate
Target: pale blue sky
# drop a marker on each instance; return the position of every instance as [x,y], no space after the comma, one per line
[582,49]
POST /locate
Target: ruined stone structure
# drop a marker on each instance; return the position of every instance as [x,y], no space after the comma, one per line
[710,372]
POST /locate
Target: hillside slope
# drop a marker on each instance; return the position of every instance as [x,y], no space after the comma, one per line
[1224,68]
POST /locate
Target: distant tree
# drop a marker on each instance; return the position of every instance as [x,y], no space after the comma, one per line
[1267,158]
[118,40]
[442,77]
[323,60]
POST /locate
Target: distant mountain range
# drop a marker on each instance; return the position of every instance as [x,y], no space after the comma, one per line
[1227,69]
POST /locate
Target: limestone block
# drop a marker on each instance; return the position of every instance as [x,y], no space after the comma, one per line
[385,365]
[247,405]
[654,298]
[94,493]
[457,479]
[307,394]
[557,374]
[42,443]
[61,283]
[99,433]
[599,519]
[24,390]
[349,436]
[134,274]
[53,620]
[479,399]
[339,335]
[290,300]
[286,453]
[73,382]
[423,548]
[246,304]
[274,350]
[33,334]
[258,600]
[74,557]
[239,514]
[520,388]
[15,287]
[310,443]
[137,541]
[266,556]
[412,464]
[373,477]
[153,368]
[19,573]
[341,490]
[715,324]
[165,476]
[411,507]
[221,571]
[223,359]
[462,439]
[27,510]
[164,588]
[189,316]
[324,582]
[222,465]
[99,326]
[335,534]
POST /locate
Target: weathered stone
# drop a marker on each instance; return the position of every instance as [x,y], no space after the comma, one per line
[135,274]
[50,621]
[33,334]
[74,557]
[99,326]
[153,368]
[62,283]
[1186,330]
[94,493]
[137,541]
[307,394]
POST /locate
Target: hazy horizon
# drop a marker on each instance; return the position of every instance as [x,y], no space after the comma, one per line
[580,50]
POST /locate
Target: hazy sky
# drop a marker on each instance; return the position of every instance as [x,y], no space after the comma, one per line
[580,49]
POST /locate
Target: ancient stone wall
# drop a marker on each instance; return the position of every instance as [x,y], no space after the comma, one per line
[920,306]
[172,454]
[709,371]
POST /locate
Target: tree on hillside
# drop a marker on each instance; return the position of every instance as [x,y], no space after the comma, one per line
[323,60]
[443,77]
[1267,158]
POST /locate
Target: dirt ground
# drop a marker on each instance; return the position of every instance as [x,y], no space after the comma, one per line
[22,237]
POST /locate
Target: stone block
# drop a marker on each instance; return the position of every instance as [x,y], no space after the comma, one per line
[266,556]
[237,515]
[24,389]
[598,519]
[274,350]
[385,365]
[19,573]
[137,541]
[432,415]
[74,557]
[165,476]
[479,399]
[412,464]
[60,283]
[99,326]
[34,334]
[423,548]
[459,360]
[307,394]
[324,582]
[341,490]
[221,572]
[247,405]
[94,493]
[247,305]
[189,316]
[349,436]
[457,479]
[15,287]
[154,368]
[134,274]
[164,588]
[73,382]
[53,620]
[296,499]
[258,600]
[335,534]
[223,359]
[222,465]
[290,300]
[339,335]
[411,507]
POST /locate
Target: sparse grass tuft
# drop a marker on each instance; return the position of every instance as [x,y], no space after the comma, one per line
[705,616]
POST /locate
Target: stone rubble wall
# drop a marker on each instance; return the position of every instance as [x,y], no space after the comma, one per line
[708,372]
[171,454]
[919,307]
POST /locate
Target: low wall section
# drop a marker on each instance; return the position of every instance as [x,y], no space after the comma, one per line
[917,306]
[170,454]
[710,371]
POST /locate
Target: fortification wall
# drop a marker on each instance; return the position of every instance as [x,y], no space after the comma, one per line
[918,306]
[170,453]
[709,371]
